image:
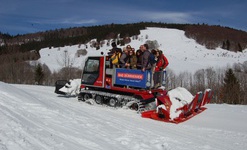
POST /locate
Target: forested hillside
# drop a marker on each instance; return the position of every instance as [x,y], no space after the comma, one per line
[211,36]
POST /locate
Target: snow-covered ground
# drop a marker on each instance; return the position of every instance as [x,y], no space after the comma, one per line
[184,54]
[35,118]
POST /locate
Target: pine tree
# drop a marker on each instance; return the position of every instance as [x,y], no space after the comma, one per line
[39,74]
[240,49]
[228,44]
[231,88]
[224,45]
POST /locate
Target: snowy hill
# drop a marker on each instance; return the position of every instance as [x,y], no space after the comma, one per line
[183,54]
[34,118]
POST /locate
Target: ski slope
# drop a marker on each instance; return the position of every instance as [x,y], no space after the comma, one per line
[34,118]
[184,54]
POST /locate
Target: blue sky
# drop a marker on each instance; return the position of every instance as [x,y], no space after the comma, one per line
[29,16]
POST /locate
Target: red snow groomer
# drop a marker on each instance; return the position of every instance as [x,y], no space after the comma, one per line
[131,88]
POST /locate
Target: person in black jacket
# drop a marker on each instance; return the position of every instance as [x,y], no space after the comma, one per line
[114,49]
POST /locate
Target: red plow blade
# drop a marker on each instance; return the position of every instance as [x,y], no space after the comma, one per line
[153,115]
[188,111]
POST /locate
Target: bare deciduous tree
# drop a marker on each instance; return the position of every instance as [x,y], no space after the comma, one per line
[199,78]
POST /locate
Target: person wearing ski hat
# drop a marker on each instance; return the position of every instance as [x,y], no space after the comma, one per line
[114,49]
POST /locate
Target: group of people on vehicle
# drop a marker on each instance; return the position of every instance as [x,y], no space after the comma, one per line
[143,59]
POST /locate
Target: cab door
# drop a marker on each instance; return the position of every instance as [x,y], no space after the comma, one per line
[93,72]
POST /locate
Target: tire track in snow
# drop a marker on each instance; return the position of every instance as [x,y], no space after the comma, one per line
[122,132]
[121,127]
[29,121]
[55,104]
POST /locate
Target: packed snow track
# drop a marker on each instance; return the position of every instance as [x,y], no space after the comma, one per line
[34,118]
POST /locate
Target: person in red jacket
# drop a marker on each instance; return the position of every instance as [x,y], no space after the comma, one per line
[162,61]
[161,64]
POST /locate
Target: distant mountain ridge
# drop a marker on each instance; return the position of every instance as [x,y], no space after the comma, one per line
[210,36]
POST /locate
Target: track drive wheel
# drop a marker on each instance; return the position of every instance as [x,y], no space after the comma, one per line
[99,99]
[86,96]
[113,102]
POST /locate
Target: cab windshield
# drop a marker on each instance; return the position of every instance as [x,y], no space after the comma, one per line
[91,71]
